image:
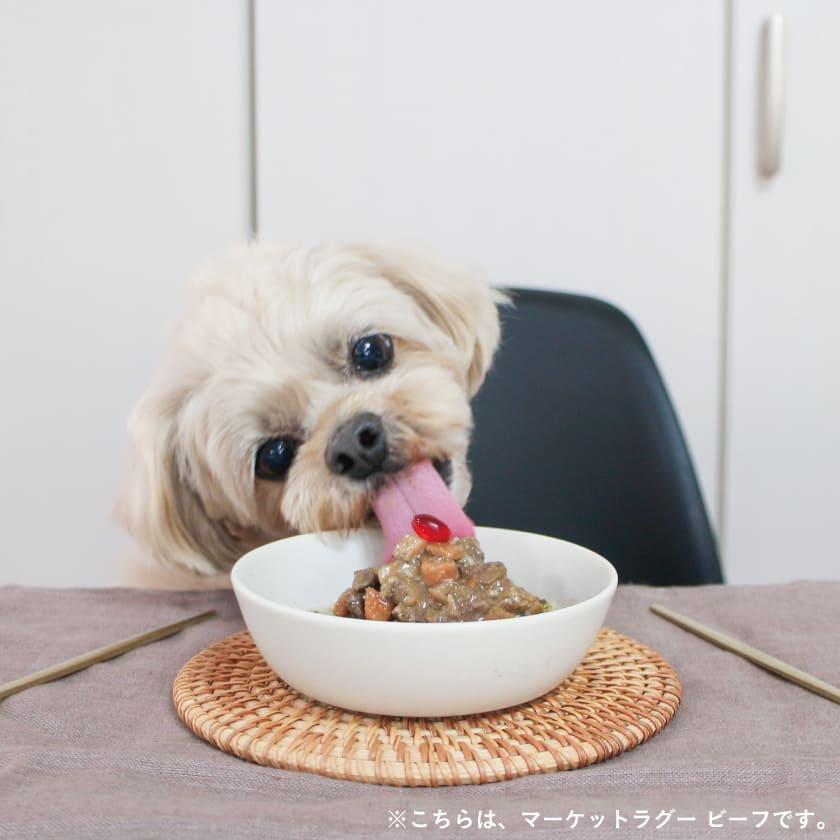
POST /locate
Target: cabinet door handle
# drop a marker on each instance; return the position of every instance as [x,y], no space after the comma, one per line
[771,95]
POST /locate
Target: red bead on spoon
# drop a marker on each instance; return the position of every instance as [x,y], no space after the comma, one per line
[430,528]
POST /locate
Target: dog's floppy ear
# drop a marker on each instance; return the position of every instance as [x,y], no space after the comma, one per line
[464,307]
[157,505]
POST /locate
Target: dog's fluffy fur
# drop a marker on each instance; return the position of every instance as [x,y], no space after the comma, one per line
[262,352]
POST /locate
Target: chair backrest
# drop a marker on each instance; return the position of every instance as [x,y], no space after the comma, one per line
[575,437]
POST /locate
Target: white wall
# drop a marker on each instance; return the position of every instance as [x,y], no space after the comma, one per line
[123,163]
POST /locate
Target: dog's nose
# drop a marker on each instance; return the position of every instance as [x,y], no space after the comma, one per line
[359,447]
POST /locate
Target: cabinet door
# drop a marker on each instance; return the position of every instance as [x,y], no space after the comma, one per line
[551,143]
[123,163]
[783,457]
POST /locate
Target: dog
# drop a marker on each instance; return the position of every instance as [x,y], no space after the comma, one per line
[287,359]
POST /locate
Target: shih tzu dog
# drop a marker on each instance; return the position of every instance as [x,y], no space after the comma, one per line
[301,383]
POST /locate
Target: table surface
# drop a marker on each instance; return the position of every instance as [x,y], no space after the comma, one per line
[102,753]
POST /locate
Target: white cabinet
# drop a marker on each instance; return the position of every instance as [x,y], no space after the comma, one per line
[123,163]
[552,143]
[783,406]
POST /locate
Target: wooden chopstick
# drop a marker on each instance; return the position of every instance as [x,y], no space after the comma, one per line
[754,655]
[85,660]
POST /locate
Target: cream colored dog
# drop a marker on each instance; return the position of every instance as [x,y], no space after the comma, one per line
[297,381]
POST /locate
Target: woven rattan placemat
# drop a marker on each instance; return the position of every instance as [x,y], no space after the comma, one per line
[621,695]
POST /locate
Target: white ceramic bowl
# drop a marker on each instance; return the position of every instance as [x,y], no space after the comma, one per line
[420,670]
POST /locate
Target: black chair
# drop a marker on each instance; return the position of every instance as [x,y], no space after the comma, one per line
[575,437]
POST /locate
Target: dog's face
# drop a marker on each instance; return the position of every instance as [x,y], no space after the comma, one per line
[297,381]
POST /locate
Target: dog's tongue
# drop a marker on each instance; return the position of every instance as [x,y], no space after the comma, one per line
[417,489]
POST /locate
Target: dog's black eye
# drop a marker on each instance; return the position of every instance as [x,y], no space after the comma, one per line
[372,354]
[274,457]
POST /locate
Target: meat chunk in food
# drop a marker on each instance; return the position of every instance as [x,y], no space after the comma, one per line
[350,604]
[435,570]
[376,607]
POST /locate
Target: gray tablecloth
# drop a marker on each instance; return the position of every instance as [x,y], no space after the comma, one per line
[103,754]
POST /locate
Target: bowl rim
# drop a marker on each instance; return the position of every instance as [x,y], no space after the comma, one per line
[311,615]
